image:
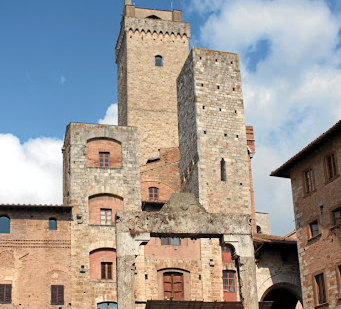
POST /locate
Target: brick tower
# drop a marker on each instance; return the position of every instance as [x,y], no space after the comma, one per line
[150,52]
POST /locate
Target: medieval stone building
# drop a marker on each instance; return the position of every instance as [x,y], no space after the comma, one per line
[158,212]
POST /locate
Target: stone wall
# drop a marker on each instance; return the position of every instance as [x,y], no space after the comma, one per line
[319,254]
[212,128]
[84,182]
[147,93]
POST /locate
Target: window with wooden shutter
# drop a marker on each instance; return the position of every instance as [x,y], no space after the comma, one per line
[173,286]
[57,294]
[5,293]
[106,271]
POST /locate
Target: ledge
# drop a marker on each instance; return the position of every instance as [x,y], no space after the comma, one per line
[332,179]
[337,226]
[313,239]
[325,305]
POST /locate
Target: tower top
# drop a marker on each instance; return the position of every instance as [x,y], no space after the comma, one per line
[127,2]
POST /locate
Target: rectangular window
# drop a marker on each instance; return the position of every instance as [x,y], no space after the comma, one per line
[170,241]
[106,271]
[57,294]
[104,159]
[309,181]
[153,194]
[337,216]
[106,216]
[314,229]
[331,166]
[229,285]
[5,293]
[320,289]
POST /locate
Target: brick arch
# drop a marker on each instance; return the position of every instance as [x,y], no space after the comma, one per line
[99,256]
[165,191]
[116,191]
[110,146]
[102,244]
[280,279]
[104,202]
[106,298]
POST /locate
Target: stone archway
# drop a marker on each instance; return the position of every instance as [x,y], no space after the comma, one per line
[283,296]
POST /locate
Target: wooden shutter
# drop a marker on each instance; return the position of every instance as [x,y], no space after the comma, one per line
[178,288]
[109,270]
[60,294]
[2,293]
[103,275]
[8,293]
[54,297]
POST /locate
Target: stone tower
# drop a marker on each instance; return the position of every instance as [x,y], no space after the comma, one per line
[150,52]
[213,143]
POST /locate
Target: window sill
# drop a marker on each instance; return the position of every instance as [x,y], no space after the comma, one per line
[103,281]
[105,168]
[306,195]
[313,239]
[332,179]
[102,225]
[324,305]
[336,226]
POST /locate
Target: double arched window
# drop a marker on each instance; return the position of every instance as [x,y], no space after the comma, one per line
[5,225]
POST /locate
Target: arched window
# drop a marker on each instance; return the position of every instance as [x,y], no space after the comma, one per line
[173,286]
[103,264]
[226,253]
[153,194]
[158,61]
[223,170]
[106,306]
[52,224]
[5,225]
[153,17]
[259,230]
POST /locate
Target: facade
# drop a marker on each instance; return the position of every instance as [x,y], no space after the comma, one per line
[159,210]
[316,190]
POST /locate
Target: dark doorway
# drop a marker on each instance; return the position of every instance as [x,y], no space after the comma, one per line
[282,298]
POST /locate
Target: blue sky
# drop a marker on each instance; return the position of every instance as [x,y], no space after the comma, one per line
[57,66]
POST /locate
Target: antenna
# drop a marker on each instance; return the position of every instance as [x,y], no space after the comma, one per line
[171,5]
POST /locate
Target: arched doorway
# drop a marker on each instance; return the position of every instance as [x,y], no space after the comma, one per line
[283,296]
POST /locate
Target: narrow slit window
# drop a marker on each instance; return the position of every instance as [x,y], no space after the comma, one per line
[223,169]
[158,61]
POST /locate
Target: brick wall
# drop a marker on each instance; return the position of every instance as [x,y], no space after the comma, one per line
[322,253]
[32,257]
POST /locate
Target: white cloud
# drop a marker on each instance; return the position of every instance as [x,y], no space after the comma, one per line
[110,115]
[62,80]
[32,172]
[293,95]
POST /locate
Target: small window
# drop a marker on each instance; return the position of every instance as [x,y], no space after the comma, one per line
[5,293]
[338,274]
[331,166]
[309,181]
[52,224]
[320,289]
[173,286]
[153,194]
[223,170]
[104,159]
[106,216]
[259,230]
[229,285]
[337,216]
[106,271]
[170,241]
[5,225]
[314,229]
[158,61]
[57,294]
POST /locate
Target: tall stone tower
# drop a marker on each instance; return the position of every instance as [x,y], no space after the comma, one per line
[213,143]
[150,52]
